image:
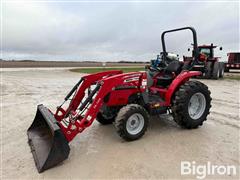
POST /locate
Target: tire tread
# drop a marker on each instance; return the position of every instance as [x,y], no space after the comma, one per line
[179,104]
[122,117]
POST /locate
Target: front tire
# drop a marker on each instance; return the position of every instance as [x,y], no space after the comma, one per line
[191,104]
[132,122]
[208,70]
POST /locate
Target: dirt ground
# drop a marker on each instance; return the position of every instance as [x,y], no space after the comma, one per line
[99,152]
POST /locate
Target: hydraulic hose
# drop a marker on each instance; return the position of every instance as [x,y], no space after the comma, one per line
[73,89]
[89,98]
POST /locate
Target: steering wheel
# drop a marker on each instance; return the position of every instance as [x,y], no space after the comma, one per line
[155,69]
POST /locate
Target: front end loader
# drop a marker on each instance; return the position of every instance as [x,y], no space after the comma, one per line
[124,99]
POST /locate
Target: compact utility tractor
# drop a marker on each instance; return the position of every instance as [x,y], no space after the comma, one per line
[124,99]
[208,64]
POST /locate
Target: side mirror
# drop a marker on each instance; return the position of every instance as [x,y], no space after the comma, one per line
[220,48]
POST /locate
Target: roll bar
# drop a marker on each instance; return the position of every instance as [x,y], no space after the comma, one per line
[195,45]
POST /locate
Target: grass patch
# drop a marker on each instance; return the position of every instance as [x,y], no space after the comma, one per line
[91,70]
[95,70]
[232,77]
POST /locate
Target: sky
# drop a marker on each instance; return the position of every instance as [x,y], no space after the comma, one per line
[113,31]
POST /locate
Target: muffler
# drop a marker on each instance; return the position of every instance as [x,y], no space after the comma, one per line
[46,140]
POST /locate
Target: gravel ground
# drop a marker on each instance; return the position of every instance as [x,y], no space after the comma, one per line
[99,152]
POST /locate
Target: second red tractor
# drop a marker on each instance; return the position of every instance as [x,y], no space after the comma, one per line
[208,63]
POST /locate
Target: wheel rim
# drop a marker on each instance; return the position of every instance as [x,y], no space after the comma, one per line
[135,123]
[196,105]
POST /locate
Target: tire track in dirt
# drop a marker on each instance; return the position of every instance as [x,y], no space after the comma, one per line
[225,102]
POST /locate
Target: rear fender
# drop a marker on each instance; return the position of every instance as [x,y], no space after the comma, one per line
[177,82]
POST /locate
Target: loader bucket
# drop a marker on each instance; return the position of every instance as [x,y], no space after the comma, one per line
[46,140]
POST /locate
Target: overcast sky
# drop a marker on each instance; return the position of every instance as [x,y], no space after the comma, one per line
[113,31]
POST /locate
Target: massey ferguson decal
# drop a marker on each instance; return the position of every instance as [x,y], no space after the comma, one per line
[131,79]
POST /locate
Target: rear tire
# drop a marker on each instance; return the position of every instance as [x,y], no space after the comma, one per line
[184,105]
[216,70]
[222,66]
[132,122]
[102,120]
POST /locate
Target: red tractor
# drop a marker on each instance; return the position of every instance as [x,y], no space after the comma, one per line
[208,64]
[124,99]
[233,61]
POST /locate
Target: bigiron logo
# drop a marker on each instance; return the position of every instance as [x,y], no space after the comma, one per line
[201,171]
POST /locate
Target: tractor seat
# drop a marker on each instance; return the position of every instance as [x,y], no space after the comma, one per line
[165,77]
[174,67]
[164,80]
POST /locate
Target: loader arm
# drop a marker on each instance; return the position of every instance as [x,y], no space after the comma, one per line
[78,121]
[84,83]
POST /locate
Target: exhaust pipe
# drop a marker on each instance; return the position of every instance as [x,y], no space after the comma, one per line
[46,140]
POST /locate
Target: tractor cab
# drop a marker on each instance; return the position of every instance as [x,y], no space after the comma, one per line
[208,50]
